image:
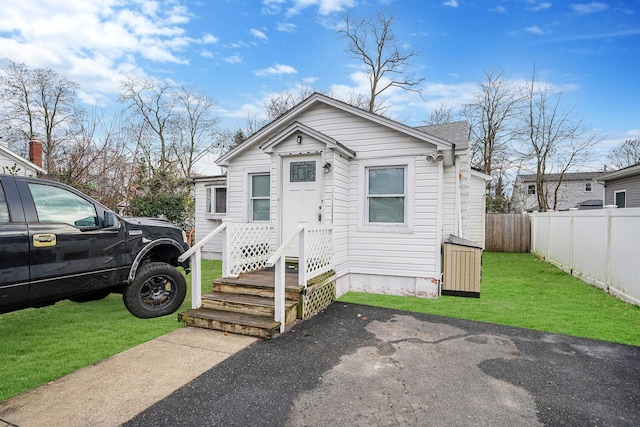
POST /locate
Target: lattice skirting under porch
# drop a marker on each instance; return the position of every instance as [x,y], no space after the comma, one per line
[318,295]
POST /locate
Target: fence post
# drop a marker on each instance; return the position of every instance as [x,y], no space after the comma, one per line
[225,249]
[534,247]
[607,213]
[302,255]
[572,236]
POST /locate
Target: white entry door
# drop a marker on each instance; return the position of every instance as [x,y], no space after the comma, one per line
[302,180]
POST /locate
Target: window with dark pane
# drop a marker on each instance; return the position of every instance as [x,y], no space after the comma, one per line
[302,171]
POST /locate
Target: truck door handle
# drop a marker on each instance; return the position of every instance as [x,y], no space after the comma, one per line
[44,240]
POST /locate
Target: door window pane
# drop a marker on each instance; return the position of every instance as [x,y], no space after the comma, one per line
[58,205]
[302,171]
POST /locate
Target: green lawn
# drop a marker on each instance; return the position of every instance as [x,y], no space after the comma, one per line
[521,290]
[40,345]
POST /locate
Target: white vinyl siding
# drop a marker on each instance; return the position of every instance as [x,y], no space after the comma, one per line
[207,222]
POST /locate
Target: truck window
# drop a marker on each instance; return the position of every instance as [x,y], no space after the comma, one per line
[59,205]
[4,209]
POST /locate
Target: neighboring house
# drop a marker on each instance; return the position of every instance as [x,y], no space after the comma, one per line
[578,190]
[211,207]
[12,163]
[622,187]
[391,193]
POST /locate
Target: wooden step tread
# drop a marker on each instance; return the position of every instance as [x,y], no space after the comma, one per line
[251,320]
[261,279]
[244,299]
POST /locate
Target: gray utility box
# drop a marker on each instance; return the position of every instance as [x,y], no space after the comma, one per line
[462,267]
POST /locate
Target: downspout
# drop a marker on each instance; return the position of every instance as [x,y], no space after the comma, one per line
[458,202]
[439,221]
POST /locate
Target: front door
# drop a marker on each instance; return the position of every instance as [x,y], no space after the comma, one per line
[302,180]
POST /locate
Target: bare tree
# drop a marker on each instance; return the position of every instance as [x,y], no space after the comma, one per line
[626,154]
[194,128]
[553,139]
[150,105]
[491,115]
[440,115]
[39,102]
[373,42]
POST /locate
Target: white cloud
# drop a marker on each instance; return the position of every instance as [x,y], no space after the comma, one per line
[287,27]
[233,59]
[451,3]
[587,8]
[276,70]
[95,43]
[534,29]
[325,7]
[541,6]
[258,34]
[498,9]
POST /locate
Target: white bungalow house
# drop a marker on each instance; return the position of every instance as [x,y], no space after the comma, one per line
[387,194]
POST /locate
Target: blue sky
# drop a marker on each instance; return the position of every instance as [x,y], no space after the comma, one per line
[240,52]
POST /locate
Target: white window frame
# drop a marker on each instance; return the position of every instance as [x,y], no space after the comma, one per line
[615,194]
[363,205]
[210,201]
[529,188]
[588,187]
[251,198]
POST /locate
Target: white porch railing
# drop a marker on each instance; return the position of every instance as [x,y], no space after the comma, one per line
[246,248]
[315,253]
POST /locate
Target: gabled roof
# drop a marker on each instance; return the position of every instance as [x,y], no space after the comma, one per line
[20,160]
[622,173]
[296,127]
[287,118]
[456,132]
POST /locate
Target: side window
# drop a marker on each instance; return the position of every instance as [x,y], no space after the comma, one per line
[216,200]
[587,187]
[58,205]
[620,198]
[4,209]
[386,194]
[531,189]
[260,203]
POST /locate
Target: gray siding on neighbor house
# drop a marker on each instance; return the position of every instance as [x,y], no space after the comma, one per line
[632,186]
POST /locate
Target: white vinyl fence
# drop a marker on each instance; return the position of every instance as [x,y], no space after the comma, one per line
[601,247]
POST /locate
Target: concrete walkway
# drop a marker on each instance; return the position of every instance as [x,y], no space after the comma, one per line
[118,388]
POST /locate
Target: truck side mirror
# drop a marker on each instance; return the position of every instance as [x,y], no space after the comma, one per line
[109,219]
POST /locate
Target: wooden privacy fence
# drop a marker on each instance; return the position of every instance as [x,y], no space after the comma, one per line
[507,233]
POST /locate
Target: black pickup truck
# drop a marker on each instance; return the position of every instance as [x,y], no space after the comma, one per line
[57,243]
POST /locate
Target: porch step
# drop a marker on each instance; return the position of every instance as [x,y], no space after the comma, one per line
[249,304]
[238,323]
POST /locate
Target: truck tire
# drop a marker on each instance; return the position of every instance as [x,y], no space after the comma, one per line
[157,290]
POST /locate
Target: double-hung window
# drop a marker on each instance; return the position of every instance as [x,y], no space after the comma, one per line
[386,195]
[260,202]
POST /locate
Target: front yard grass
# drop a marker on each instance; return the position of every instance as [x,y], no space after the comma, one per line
[523,291]
[40,345]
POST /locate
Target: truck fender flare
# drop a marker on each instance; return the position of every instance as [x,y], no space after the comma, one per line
[143,253]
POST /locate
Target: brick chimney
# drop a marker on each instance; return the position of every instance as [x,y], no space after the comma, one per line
[35,151]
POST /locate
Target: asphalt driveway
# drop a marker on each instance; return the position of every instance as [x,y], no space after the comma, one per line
[365,366]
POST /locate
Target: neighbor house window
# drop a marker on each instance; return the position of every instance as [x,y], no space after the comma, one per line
[260,203]
[587,187]
[216,200]
[620,198]
[386,195]
[531,189]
